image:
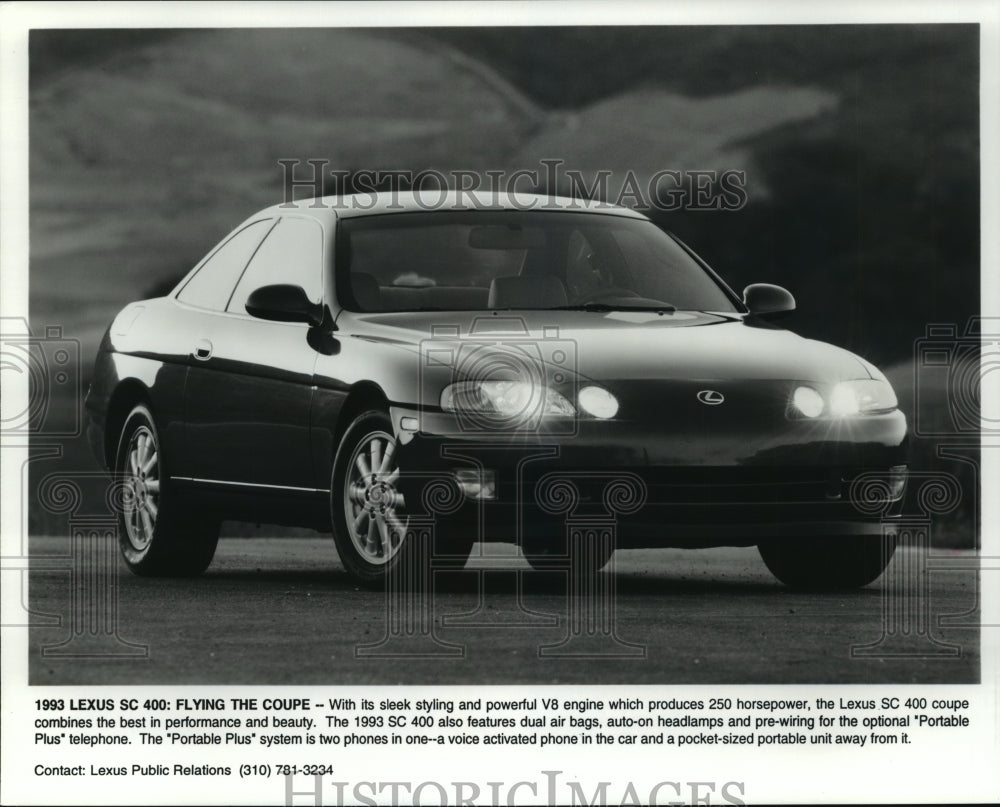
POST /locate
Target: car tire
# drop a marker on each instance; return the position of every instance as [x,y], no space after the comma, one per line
[845,562]
[369,516]
[159,533]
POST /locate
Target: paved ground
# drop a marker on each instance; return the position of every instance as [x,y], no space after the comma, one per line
[282,611]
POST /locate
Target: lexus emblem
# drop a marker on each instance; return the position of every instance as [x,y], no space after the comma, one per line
[711,397]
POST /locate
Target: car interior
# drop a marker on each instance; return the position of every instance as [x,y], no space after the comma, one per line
[459,266]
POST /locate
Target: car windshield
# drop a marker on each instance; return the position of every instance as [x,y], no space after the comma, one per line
[496,260]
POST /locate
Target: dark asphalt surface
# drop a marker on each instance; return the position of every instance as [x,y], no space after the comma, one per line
[282,611]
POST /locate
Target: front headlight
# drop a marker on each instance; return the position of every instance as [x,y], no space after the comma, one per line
[862,397]
[505,400]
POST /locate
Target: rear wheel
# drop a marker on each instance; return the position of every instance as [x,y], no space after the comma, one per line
[370,515]
[849,561]
[158,532]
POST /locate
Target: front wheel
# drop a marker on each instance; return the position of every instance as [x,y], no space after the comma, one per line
[160,535]
[372,525]
[849,561]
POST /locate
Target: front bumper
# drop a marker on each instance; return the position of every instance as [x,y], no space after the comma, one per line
[666,486]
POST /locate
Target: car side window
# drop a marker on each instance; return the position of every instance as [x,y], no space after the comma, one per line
[292,253]
[212,285]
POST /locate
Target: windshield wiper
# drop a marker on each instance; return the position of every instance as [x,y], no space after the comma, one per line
[594,306]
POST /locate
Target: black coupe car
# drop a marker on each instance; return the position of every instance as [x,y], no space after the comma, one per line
[421,373]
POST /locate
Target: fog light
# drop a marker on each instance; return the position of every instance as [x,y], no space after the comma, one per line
[476,483]
[897,482]
[598,402]
[808,401]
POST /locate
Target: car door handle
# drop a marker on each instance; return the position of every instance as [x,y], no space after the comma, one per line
[203,350]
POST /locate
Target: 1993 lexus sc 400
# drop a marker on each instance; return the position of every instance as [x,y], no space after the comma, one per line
[489,369]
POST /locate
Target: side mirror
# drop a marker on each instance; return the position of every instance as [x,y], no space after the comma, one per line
[768,301]
[284,303]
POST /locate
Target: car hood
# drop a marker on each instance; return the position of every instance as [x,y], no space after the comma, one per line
[604,346]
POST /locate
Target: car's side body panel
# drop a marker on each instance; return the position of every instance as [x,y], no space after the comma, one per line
[247,405]
[144,356]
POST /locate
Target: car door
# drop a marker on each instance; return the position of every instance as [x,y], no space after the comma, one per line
[248,394]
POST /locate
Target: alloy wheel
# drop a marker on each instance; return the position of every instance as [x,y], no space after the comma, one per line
[373,507]
[142,493]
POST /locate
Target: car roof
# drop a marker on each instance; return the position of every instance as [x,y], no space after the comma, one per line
[388,202]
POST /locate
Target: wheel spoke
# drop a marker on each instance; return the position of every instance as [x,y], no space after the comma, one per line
[376,449]
[147,523]
[151,508]
[357,494]
[390,451]
[392,478]
[396,499]
[370,545]
[153,485]
[363,466]
[356,525]
[141,449]
[133,461]
[397,526]
[150,463]
[383,532]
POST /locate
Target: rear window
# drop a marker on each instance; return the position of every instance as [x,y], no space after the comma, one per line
[213,283]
